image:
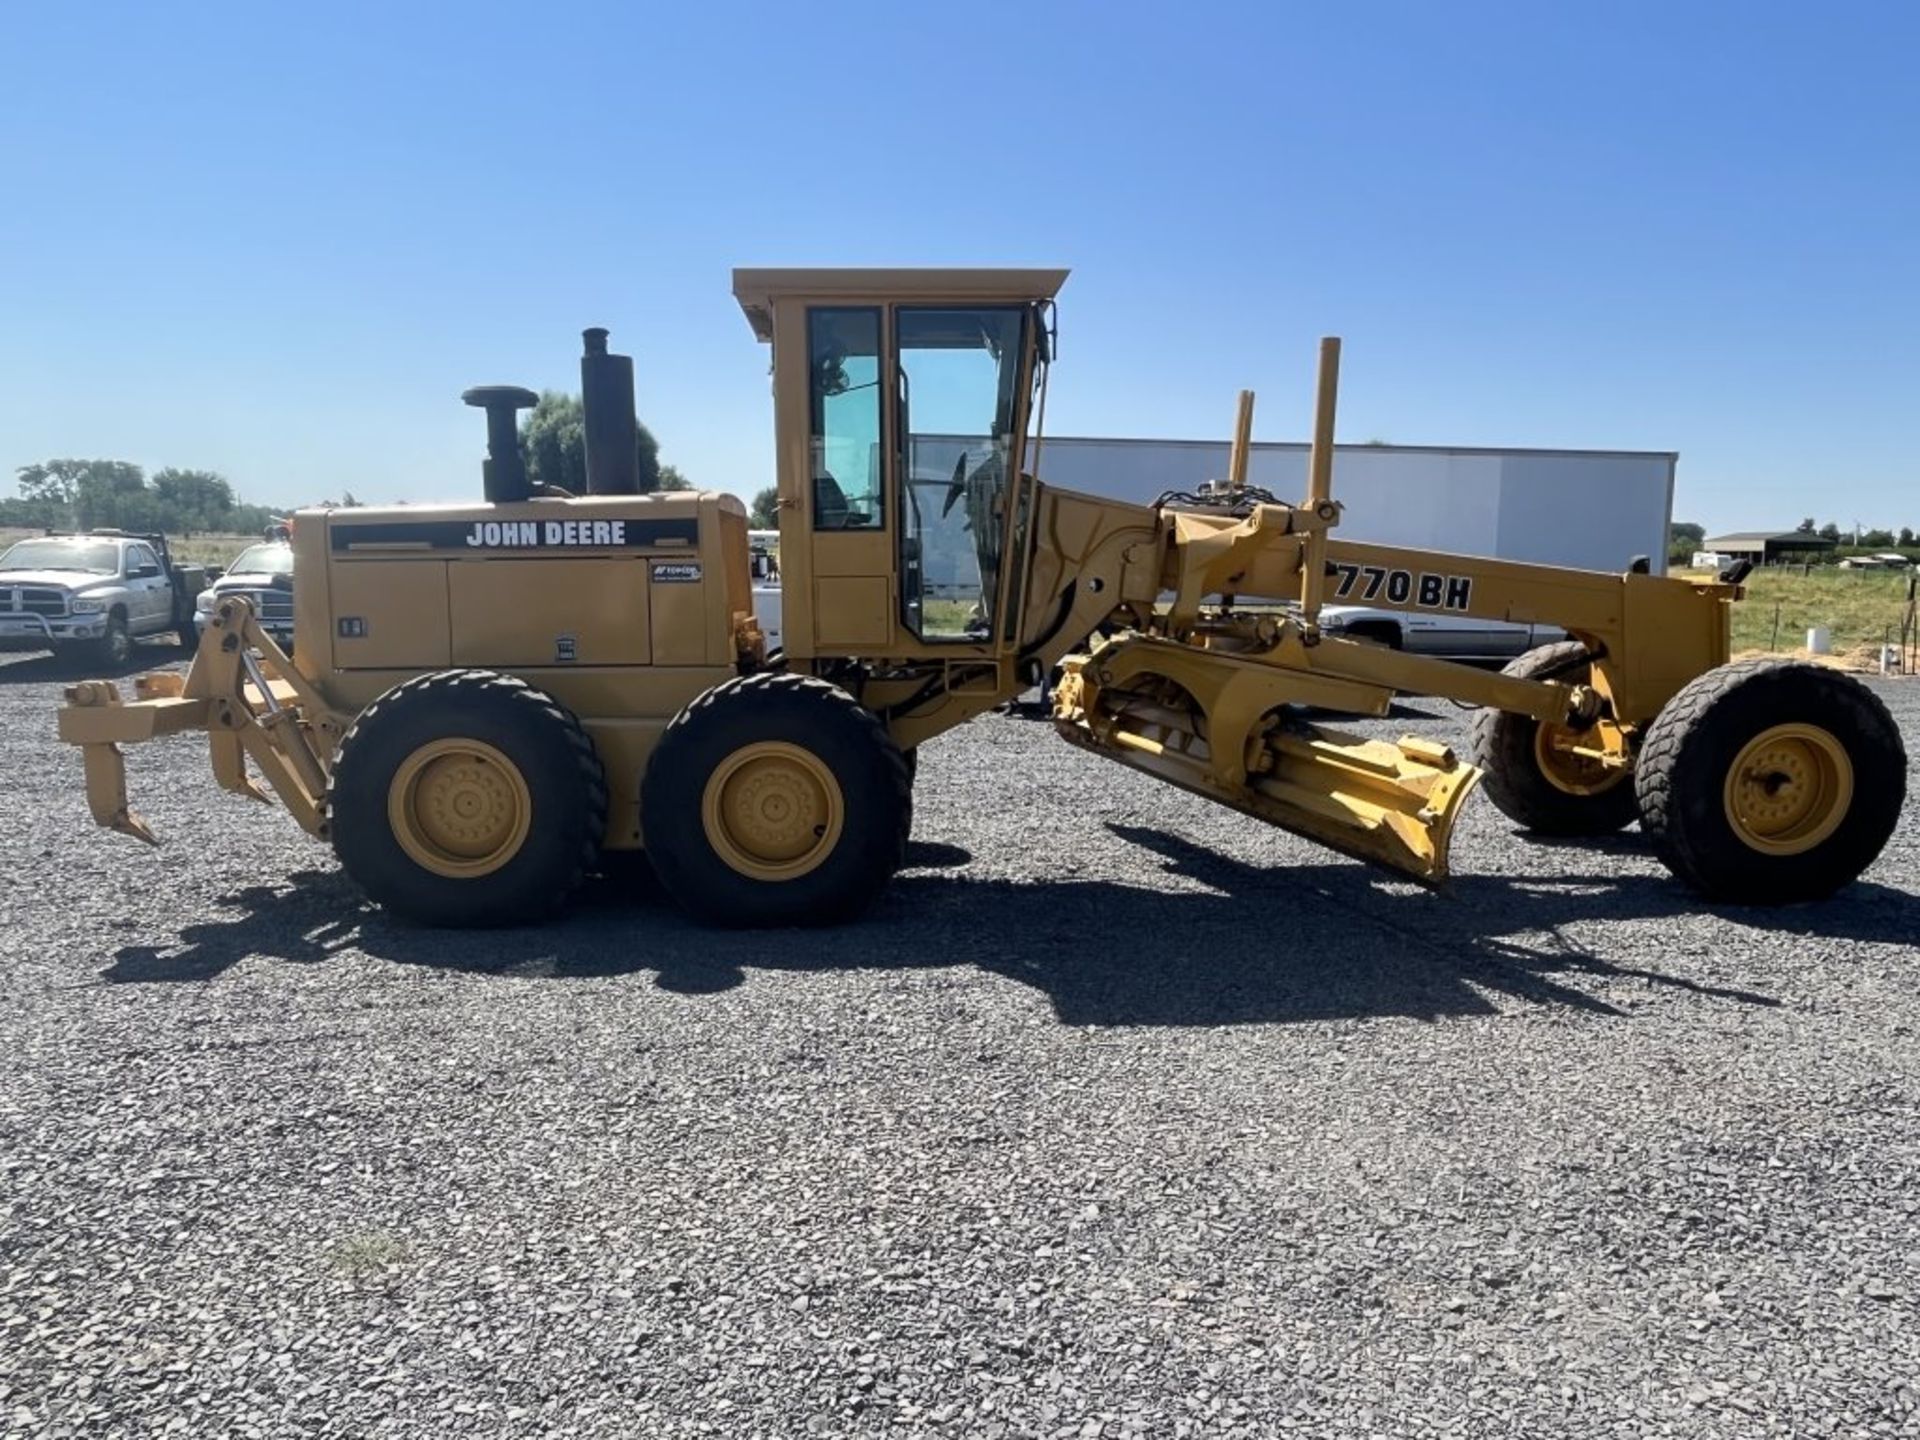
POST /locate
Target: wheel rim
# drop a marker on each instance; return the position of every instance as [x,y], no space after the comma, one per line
[459,808]
[773,810]
[1788,789]
[1567,772]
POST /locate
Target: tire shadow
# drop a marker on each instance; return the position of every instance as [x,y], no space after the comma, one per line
[1228,944]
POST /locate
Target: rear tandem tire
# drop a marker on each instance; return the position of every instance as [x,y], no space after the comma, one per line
[1576,799]
[467,798]
[775,799]
[1767,782]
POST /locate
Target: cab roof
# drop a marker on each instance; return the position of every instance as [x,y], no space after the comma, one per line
[756,290]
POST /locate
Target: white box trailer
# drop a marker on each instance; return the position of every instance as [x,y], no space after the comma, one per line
[1593,509]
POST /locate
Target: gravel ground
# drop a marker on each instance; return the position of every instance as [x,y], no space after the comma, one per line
[1121,1116]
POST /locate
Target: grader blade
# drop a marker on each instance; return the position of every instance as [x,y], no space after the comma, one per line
[1393,803]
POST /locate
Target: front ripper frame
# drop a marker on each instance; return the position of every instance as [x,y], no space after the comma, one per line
[244,691]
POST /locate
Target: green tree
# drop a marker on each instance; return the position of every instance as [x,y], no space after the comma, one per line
[51,482]
[83,492]
[672,479]
[193,499]
[19,512]
[1805,527]
[112,492]
[1683,538]
[1876,539]
[765,512]
[553,437]
[1830,531]
[1906,536]
[650,462]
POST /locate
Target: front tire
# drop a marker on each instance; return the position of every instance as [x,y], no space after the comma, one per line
[114,648]
[1530,775]
[1771,781]
[467,798]
[775,799]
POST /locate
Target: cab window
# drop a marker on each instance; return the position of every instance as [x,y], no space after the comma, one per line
[843,349]
[959,378]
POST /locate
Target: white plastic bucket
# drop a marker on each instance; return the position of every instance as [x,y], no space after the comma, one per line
[1820,640]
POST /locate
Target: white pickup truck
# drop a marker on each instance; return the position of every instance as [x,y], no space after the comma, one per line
[95,594]
[263,573]
[1451,637]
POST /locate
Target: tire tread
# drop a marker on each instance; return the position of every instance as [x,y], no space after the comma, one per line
[1502,745]
[541,708]
[1666,751]
[836,707]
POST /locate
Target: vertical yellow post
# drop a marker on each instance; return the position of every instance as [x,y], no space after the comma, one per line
[1313,554]
[1242,444]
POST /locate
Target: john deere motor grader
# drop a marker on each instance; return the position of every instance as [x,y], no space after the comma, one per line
[484,698]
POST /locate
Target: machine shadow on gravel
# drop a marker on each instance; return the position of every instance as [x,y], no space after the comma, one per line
[44,668]
[316,913]
[1235,944]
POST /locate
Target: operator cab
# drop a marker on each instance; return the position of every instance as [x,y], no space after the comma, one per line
[903,398]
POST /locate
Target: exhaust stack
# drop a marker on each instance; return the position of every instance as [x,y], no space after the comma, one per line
[503,475]
[613,433]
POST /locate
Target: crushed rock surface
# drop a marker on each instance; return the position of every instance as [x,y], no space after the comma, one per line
[1121,1115]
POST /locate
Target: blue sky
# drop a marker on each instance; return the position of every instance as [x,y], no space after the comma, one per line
[278,241]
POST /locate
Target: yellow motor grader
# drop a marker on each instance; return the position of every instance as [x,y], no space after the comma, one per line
[482,699]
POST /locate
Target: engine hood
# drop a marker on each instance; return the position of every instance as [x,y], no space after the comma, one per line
[58,579]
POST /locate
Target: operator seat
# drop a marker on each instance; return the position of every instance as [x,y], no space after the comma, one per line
[830,507]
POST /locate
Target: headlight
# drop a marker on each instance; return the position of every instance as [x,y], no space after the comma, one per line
[204,600]
[85,605]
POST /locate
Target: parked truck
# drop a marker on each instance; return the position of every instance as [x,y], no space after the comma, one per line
[95,593]
[263,573]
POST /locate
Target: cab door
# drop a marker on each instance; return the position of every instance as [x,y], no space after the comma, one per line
[150,591]
[902,424]
[959,426]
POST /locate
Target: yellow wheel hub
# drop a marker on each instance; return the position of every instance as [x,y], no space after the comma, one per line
[1789,789]
[773,810]
[1568,772]
[459,808]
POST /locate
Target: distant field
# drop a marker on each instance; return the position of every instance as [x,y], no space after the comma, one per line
[1861,607]
[199,550]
